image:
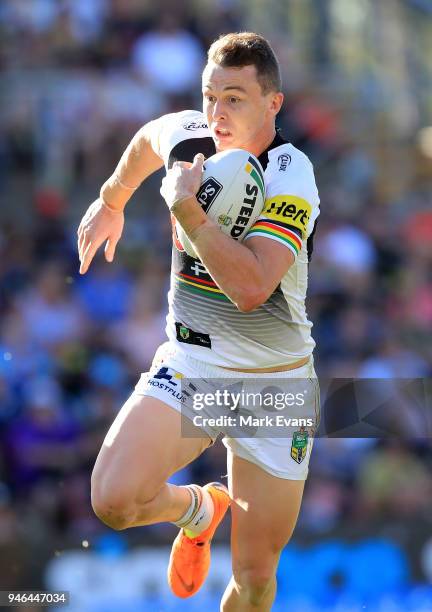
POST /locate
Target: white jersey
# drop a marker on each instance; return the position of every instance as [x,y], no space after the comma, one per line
[202,321]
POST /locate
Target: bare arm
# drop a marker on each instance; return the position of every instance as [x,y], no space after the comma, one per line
[104,219]
[137,163]
[247,273]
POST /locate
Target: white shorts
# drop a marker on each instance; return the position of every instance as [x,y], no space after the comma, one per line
[285,456]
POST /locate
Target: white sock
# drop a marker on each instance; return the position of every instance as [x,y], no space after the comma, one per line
[199,515]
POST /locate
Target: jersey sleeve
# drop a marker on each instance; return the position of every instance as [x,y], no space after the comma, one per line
[169,129]
[292,202]
[156,128]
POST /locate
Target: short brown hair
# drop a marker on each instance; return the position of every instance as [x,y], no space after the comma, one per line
[240,49]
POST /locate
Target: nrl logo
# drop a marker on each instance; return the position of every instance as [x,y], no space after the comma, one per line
[299,445]
[194,125]
[284,160]
[224,220]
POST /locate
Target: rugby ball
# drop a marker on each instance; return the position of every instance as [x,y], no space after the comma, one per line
[232,194]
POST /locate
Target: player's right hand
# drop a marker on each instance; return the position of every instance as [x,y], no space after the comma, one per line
[182,181]
[98,224]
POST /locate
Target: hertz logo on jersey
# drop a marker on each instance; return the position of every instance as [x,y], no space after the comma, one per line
[288,209]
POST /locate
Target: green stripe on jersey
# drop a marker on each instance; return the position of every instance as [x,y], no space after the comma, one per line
[261,231]
[257,167]
[209,294]
[258,181]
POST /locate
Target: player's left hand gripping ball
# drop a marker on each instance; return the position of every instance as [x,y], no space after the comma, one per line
[182,182]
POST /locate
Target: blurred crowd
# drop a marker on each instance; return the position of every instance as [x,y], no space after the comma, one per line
[79,78]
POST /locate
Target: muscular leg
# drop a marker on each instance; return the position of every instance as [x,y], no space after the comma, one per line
[141,450]
[264,512]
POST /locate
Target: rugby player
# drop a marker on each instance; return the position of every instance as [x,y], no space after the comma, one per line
[237,311]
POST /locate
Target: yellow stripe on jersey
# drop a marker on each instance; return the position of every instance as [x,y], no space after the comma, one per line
[289,209]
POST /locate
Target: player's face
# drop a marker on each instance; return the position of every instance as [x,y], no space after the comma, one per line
[239,115]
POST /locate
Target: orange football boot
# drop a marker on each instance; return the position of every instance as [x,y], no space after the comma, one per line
[190,557]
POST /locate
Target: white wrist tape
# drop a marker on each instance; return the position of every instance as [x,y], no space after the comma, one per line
[128,187]
[110,208]
[173,191]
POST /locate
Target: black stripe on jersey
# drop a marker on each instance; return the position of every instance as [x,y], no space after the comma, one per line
[257,168]
[277,142]
[182,262]
[292,228]
[185,150]
[309,242]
